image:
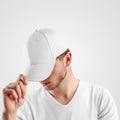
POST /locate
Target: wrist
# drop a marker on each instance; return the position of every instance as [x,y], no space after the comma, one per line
[9,115]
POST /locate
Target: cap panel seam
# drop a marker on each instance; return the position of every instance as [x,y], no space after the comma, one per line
[48,44]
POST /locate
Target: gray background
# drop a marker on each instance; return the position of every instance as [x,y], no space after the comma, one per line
[92,28]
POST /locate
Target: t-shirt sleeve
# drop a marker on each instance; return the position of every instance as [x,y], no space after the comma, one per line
[107,109]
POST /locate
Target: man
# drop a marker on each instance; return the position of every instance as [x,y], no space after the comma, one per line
[63,96]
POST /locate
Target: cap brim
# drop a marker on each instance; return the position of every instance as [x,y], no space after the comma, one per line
[39,72]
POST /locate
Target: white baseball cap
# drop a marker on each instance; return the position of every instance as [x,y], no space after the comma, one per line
[43,47]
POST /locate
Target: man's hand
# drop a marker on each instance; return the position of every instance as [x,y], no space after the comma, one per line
[14,97]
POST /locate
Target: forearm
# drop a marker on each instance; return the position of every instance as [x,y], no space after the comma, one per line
[9,116]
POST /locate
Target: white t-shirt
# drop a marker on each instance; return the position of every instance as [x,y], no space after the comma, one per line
[90,102]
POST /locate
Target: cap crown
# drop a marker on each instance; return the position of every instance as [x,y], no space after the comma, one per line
[44,46]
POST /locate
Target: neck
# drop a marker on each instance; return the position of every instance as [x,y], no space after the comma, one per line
[67,87]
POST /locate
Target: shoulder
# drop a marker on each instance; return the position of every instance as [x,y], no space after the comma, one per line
[95,89]
[103,100]
[92,88]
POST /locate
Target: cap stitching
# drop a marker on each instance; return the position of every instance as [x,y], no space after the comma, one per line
[48,43]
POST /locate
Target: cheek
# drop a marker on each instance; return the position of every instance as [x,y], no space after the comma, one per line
[58,69]
[58,73]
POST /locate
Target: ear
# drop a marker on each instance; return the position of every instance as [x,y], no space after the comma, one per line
[68,58]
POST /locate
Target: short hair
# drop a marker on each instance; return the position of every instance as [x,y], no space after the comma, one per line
[63,54]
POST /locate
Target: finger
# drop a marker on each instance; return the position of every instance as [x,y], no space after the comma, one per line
[11,85]
[16,87]
[18,91]
[11,97]
[9,93]
[23,89]
[23,78]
